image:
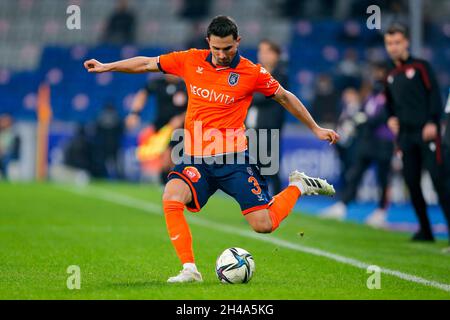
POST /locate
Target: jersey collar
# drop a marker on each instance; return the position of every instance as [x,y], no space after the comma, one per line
[234,63]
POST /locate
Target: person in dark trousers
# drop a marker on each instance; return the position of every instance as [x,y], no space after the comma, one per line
[374,146]
[78,153]
[107,140]
[325,104]
[446,146]
[171,104]
[9,144]
[266,113]
[446,142]
[415,111]
[346,126]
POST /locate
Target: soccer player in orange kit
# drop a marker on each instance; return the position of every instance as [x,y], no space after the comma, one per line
[220,85]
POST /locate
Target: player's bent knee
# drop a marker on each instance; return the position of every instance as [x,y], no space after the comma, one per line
[263,227]
[177,190]
[260,221]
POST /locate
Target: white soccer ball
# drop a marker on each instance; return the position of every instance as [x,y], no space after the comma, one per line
[235,265]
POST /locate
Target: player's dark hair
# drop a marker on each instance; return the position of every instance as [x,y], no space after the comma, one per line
[272,45]
[222,26]
[398,28]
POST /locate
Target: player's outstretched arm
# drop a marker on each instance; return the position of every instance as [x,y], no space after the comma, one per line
[132,65]
[296,107]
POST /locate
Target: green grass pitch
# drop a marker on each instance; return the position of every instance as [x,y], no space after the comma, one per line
[116,234]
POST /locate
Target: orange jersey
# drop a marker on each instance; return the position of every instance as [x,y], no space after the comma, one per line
[219,98]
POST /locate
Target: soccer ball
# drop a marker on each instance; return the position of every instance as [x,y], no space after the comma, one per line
[235,265]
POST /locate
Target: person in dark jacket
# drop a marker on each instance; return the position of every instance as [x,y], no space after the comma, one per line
[9,144]
[171,104]
[121,25]
[447,130]
[373,146]
[446,142]
[78,153]
[267,113]
[107,139]
[325,104]
[415,111]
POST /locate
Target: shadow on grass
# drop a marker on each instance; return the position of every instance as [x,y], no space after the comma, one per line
[162,284]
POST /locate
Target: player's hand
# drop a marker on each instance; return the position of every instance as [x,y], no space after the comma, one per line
[429,132]
[132,121]
[327,134]
[394,125]
[93,65]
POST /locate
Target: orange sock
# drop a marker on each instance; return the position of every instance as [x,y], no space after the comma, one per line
[282,205]
[179,231]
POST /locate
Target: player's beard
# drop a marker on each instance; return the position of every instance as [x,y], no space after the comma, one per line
[223,62]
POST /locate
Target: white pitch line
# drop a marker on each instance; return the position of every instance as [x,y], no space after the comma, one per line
[152,208]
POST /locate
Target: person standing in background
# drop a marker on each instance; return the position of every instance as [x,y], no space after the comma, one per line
[108,135]
[171,104]
[9,144]
[374,145]
[346,127]
[267,113]
[121,25]
[415,110]
[446,142]
[325,104]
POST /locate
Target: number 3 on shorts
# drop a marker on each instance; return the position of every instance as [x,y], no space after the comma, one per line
[257,189]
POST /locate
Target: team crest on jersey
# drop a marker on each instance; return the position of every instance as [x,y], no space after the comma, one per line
[233,79]
[410,73]
[192,173]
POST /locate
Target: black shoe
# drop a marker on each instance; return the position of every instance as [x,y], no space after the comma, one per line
[422,236]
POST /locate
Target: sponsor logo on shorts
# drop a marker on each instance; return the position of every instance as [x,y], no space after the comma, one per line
[192,173]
